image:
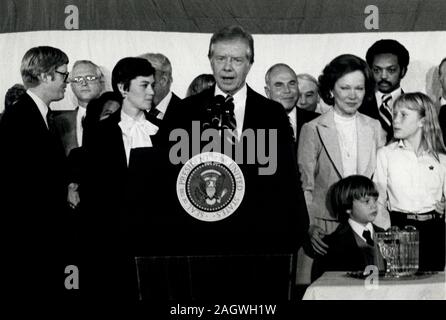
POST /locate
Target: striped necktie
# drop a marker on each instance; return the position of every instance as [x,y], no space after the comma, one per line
[229,123]
[385,114]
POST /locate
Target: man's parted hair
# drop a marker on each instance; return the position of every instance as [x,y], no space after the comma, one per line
[98,71]
[159,61]
[40,60]
[308,77]
[233,33]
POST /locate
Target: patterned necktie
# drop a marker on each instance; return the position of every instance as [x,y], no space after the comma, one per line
[368,237]
[385,114]
[228,119]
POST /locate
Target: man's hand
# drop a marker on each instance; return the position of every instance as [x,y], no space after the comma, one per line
[73,195]
[440,205]
[316,234]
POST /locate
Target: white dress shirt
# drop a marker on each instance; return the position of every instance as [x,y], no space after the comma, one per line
[162,105]
[359,228]
[136,133]
[239,106]
[81,112]
[407,182]
[43,108]
[442,101]
[293,120]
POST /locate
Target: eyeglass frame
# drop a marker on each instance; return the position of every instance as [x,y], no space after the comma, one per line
[84,79]
[65,74]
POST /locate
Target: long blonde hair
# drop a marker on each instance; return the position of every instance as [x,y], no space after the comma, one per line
[432,137]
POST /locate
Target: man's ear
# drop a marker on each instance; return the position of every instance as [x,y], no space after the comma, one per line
[403,72]
[45,77]
[268,93]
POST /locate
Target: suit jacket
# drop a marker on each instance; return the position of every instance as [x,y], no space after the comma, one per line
[302,116]
[320,161]
[442,120]
[370,108]
[106,206]
[33,191]
[65,123]
[162,134]
[344,254]
[272,216]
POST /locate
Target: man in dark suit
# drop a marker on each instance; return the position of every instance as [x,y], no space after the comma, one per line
[388,59]
[270,218]
[87,84]
[442,100]
[282,86]
[33,187]
[164,100]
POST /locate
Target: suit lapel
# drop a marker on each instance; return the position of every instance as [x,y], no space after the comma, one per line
[364,142]
[329,137]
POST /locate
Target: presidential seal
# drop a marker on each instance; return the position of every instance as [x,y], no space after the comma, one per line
[210,186]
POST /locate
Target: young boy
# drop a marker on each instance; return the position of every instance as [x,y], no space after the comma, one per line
[351,245]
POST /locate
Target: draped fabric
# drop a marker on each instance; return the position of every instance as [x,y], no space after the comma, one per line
[306,34]
[206,16]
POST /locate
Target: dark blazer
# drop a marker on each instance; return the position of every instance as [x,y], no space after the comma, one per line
[65,123]
[165,123]
[344,254]
[442,120]
[370,108]
[33,191]
[272,216]
[303,116]
[106,203]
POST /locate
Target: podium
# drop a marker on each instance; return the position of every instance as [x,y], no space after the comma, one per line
[216,277]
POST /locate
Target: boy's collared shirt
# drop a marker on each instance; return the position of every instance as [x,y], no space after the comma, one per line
[359,228]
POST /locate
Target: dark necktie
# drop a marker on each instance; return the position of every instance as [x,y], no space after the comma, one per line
[367,236]
[385,114]
[153,116]
[50,121]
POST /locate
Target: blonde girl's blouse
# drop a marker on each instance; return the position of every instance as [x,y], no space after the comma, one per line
[407,182]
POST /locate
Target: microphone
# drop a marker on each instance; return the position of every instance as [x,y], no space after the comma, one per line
[214,113]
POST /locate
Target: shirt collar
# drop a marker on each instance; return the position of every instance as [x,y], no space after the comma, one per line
[126,118]
[407,146]
[43,108]
[239,96]
[395,94]
[442,101]
[162,105]
[358,228]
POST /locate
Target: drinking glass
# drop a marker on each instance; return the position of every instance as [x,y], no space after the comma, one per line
[388,247]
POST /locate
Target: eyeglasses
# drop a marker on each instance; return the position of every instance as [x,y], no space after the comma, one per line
[65,75]
[84,79]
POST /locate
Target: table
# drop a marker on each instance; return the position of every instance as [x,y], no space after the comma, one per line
[339,286]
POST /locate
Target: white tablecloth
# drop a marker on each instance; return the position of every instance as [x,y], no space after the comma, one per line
[339,286]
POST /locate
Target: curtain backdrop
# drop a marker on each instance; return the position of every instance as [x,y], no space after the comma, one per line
[304,34]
